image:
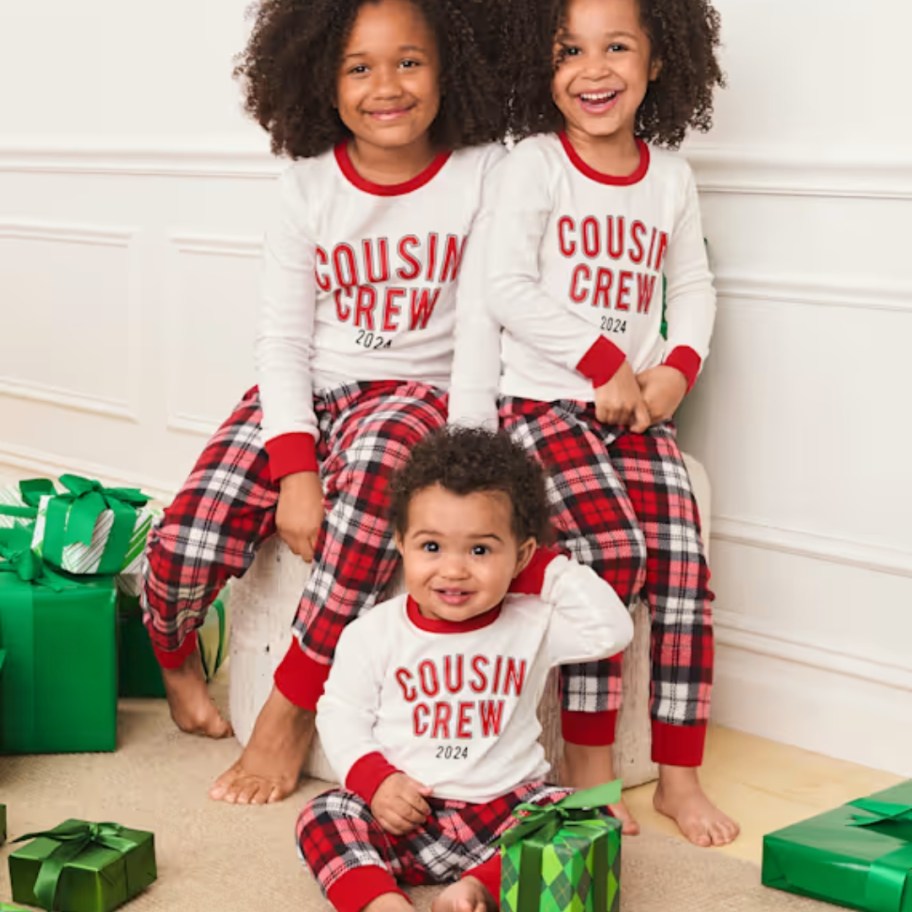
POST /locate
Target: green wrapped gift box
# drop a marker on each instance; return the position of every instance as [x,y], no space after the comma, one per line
[59,690]
[858,855]
[564,857]
[82,867]
[139,671]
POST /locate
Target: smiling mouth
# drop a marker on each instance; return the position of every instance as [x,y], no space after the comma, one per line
[391,114]
[597,102]
[453,597]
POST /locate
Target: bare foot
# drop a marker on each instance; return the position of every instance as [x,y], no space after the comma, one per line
[270,765]
[191,706]
[466,895]
[680,796]
[586,766]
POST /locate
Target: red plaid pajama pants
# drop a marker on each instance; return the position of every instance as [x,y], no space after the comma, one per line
[355,860]
[623,504]
[226,508]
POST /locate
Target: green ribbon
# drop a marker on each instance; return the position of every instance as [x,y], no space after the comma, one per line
[888,878]
[72,516]
[18,512]
[74,839]
[33,489]
[537,828]
[18,557]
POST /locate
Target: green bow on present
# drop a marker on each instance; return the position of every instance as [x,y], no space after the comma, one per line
[579,814]
[33,489]
[73,515]
[889,876]
[74,839]
[18,557]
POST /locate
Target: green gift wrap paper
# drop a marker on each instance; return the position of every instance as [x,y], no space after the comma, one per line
[858,855]
[139,671]
[82,867]
[59,685]
[564,857]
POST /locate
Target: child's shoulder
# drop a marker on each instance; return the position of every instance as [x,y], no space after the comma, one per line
[669,163]
[308,175]
[381,620]
[479,159]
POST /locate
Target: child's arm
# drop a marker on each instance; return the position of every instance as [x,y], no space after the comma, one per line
[346,716]
[475,379]
[284,347]
[588,621]
[690,311]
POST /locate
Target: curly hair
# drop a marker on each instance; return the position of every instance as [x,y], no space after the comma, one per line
[684,35]
[468,461]
[289,70]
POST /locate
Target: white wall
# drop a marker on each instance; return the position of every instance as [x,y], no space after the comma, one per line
[132,197]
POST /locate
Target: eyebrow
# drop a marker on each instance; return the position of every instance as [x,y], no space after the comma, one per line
[432,532]
[569,36]
[402,48]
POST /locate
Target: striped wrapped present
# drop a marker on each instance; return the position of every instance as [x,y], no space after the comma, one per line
[93,530]
[18,501]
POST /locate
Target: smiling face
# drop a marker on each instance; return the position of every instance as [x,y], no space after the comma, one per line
[603,67]
[388,90]
[459,552]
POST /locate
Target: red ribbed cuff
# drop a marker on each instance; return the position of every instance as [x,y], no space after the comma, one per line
[176,657]
[684,359]
[300,678]
[601,362]
[489,875]
[531,579]
[368,774]
[589,729]
[291,453]
[678,745]
[359,886]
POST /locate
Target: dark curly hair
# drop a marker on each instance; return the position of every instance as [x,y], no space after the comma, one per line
[468,461]
[289,70]
[684,35]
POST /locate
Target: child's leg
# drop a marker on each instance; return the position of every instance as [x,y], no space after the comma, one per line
[596,523]
[677,588]
[208,534]
[373,430]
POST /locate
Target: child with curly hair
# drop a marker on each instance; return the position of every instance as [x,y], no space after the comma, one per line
[586,216]
[429,713]
[392,112]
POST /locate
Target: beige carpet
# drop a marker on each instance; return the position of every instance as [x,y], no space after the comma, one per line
[218,858]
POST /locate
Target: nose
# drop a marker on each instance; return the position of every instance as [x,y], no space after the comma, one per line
[386,83]
[454,567]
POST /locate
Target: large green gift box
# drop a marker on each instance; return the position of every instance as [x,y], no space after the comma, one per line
[91,529]
[564,857]
[858,855]
[139,671]
[59,688]
[82,867]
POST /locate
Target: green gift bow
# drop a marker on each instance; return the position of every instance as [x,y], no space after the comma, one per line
[538,826]
[74,839]
[18,557]
[71,519]
[889,876]
[33,489]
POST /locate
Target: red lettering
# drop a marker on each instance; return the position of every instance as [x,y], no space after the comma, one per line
[414,265]
[452,673]
[324,283]
[452,258]
[481,679]
[364,307]
[419,719]
[427,676]
[464,720]
[432,240]
[567,247]
[660,253]
[344,265]
[577,292]
[443,712]
[623,298]
[391,310]
[423,303]
[343,311]
[516,674]
[491,713]
[590,237]
[616,236]
[637,229]
[645,290]
[404,679]
[383,274]
[602,294]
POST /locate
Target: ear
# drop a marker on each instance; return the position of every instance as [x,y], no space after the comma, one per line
[654,69]
[524,555]
[397,541]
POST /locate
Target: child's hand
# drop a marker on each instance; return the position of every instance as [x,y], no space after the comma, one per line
[663,390]
[398,804]
[299,512]
[620,401]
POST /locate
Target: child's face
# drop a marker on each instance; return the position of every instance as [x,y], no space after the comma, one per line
[387,91]
[603,67]
[460,553]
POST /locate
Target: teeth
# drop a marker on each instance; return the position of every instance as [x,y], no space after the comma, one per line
[602,96]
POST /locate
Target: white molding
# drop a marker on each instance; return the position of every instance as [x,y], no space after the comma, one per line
[842,551]
[197,425]
[218,245]
[739,632]
[816,291]
[799,172]
[27,462]
[95,236]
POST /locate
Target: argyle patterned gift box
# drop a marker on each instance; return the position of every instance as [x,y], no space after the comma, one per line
[564,857]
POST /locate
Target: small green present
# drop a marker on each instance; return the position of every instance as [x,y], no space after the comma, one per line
[564,857]
[18,502]
[139,671]
[91,529]
[59,690]
[858,855]
[82,867]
